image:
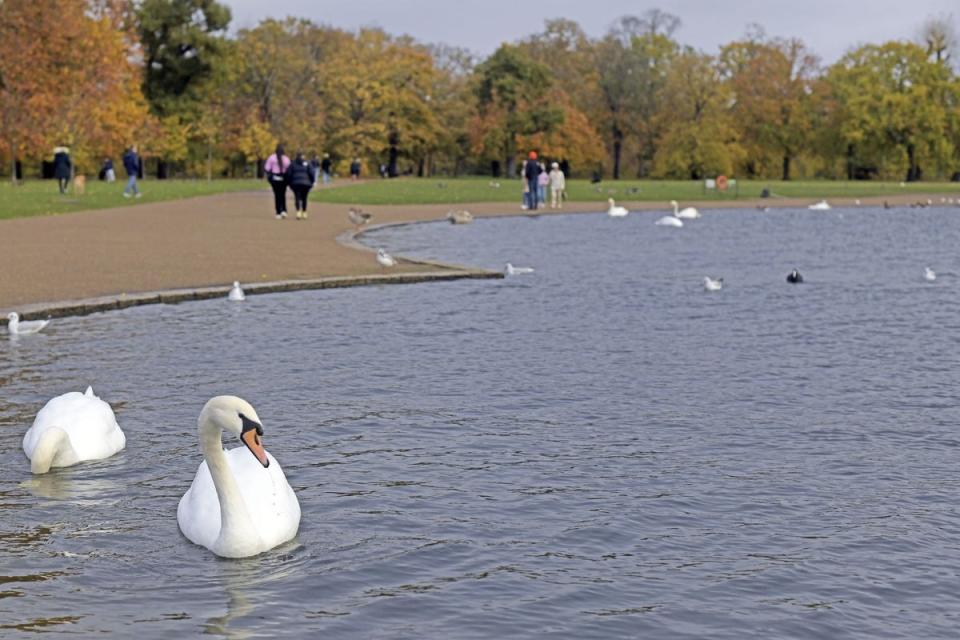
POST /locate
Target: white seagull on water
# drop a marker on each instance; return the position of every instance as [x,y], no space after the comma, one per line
[712,284]
[16,327]
[236,293]
[511,270]
[929,274]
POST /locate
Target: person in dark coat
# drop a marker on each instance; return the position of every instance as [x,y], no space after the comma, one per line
[300,177]
[531,173]
[131,163]
[61,167]
[326,166]
[355,169]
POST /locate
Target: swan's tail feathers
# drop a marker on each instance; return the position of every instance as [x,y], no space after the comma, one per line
[89,392]
[48,448]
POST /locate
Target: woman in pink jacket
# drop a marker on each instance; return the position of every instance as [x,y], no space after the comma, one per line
[276,168]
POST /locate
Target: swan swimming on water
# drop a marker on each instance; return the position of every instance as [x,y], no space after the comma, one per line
[615,210]
[669,221]
[511,270]
[71,428]
[236,293]
[17,327]
[385,259]
[929,274]
[460,216]
[688,213]
[240,503]
[823,205]
[711,284]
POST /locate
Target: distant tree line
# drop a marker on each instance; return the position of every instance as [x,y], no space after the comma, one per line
[99,75]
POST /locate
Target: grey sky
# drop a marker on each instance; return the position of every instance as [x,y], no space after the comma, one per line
[828,27]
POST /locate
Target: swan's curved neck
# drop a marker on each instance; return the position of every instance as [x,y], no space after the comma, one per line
[676,208]
[53,442]
[234,517]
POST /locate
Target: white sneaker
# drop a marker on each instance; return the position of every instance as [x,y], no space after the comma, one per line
[283,214]
[279,217]
[139,195]
[126,195]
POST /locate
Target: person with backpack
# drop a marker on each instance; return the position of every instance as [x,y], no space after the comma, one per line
[300,176]
[276,168]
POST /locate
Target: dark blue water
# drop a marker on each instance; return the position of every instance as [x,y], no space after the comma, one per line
[600,449]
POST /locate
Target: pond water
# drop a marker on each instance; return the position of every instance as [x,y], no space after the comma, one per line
[600,449]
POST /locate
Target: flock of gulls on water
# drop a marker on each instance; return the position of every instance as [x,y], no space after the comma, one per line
[239,503]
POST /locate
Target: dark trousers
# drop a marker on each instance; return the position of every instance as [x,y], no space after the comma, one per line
[532,184]
[279,196]
[300,196]
[63,184]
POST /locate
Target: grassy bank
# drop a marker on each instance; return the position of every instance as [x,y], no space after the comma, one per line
[464,190]
[41,197]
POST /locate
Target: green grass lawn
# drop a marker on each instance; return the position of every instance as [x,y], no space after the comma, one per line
[442,190]
[41,197]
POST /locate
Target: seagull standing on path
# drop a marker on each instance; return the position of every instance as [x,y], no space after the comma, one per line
[236,293]
[385,259]
[358,217]
[16,327]
[511,270]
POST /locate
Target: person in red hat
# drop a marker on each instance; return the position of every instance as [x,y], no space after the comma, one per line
[531,172]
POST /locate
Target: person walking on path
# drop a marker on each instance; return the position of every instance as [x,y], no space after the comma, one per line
[131,163]
[542,181]
[276,168]
[315,168]
[355,169]
[531,173]
[61,167]
[558,184]
[300,177]
[325,166]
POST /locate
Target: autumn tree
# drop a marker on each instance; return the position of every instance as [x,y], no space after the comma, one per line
[511,91]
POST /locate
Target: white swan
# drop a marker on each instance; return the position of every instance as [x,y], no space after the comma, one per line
[823,205]
[236,293]
[615,210]
[669,221]
[239,504]
[16,327]
[511,270]
[711,284]
[929,274]
[385,259]
[689,213]
[72,428]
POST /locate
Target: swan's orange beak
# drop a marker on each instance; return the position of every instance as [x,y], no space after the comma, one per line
[251,438]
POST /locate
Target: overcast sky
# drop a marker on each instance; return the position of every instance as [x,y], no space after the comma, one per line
[828,27]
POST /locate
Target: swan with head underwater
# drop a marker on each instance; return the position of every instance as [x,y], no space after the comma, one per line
[240,503]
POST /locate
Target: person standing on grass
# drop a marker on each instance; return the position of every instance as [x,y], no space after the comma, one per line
[326,167]
[355,169]
[276,168]
[531,173]
[558,184]
[300,177]
[542,181]
[131,163]
[315,168]
[61,167]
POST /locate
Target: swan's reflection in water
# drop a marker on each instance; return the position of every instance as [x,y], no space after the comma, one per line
[64,486]
[250,585]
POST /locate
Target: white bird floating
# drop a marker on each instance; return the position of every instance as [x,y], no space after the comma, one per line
[71,428]
[615,210]
[460,216]
[711,284]
[236,293]
[929,274]
[17,327]
[385,259]
[240,503]
[688,213]
[823,205]
[359,217]
[669,221]
[511,270]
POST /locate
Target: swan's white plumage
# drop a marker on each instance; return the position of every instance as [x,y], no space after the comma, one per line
[90,426]
[236,507]
[688,213]
[268,497]
[823,205]
[236,293]
[615,210]
[669,221]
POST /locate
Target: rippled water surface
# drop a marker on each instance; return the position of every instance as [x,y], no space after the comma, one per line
[600,449]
